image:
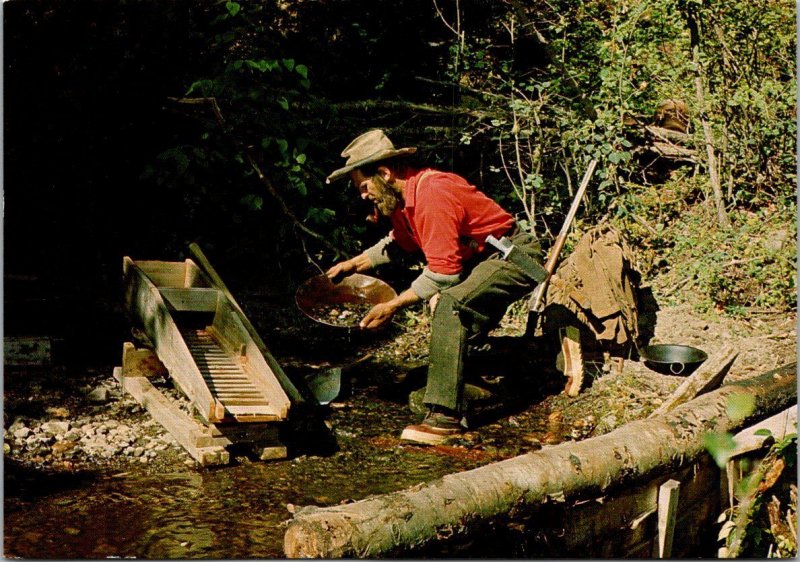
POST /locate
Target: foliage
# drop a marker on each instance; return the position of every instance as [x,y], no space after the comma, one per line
[553,86]
[249,157]
[743,525]
[607,67]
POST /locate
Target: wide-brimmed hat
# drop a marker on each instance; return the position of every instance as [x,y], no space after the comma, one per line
[372,146]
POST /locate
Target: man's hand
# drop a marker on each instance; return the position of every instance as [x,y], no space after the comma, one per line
[434,301]
[344,268]
[378,316]
[381,313]
[341,269]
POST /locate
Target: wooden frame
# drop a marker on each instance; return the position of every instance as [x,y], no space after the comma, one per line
[219,367]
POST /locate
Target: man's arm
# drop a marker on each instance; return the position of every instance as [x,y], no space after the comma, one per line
[378,254]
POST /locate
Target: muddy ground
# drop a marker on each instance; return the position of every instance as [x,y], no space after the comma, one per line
[57,431]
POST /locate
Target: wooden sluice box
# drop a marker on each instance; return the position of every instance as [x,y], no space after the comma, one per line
[238,392]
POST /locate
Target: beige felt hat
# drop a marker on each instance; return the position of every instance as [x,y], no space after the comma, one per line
[372,146]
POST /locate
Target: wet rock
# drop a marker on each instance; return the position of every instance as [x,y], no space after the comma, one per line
[99,395]
[62,447]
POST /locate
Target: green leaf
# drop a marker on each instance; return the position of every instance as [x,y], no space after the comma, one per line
[288,63]
[302,70]
[205,86]
[233,8]
[283,145]
[764,432]
[740,405]
[283,102]
[720,446]
[300,158]
[253,201]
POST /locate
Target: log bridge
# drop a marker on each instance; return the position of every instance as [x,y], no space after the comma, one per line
[206,344]
[647,489]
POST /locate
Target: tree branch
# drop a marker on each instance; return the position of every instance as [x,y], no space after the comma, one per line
[265,181]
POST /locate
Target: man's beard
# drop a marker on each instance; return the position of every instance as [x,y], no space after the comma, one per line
[386,198]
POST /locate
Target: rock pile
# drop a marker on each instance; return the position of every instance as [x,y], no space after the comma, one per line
[110,429]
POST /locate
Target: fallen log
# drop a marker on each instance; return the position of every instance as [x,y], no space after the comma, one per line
[416,517]
[708,377]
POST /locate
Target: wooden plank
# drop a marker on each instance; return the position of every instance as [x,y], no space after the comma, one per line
[667,506]
[141,362]
[194,276]
[163,273]
[192,436]
[627,522]
[193,299]
[227,376]
[288,387]
[144,302]
[779,425]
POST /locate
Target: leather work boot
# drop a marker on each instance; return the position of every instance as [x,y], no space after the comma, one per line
[574,368]
[437,426]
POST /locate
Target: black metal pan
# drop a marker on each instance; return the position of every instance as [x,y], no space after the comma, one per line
[673,359]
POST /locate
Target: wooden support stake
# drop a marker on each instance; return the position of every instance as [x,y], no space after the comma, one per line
[667,515]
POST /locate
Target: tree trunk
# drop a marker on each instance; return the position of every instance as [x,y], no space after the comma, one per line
[713,166]
[408,519]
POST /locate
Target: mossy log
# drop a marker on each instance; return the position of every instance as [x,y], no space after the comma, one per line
[413,518]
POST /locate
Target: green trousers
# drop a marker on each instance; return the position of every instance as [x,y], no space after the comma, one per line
[469,310]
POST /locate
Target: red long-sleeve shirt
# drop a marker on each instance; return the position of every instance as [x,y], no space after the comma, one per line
[447,219]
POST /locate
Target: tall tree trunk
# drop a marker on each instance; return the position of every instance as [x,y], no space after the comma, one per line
[404,520]
[713,165]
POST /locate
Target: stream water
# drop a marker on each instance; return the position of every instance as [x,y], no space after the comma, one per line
[231,512]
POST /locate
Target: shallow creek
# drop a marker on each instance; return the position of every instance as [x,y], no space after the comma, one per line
[228,512]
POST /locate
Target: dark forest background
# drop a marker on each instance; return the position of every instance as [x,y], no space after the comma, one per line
[112,146]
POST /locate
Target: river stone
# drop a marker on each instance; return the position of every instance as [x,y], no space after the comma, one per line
[22,433]
[55,427]
[60,448]
[18,423]
[98,396]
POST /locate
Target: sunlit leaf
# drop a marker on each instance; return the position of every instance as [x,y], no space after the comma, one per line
[740,405]
[233,8]
[720,446]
